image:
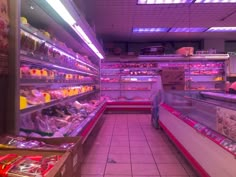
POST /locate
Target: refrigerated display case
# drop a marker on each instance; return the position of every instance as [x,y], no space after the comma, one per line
[203,128]
[201,71]
[57,76]
[130,84]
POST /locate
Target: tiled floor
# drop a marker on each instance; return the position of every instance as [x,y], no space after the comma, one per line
[126,145]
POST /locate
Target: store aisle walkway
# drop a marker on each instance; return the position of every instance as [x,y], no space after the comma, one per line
[126,145]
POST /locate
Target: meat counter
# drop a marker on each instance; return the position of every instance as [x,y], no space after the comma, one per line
[203,129]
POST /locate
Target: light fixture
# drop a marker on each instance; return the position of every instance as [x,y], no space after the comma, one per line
[66,16]
[222,29]
[149,30]
[164,1]
[181,30]
[215,1]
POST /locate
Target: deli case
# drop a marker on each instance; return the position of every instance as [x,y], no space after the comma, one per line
[203,128]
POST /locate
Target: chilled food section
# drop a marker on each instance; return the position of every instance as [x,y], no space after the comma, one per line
[38,44]
[128,84]
[198,126]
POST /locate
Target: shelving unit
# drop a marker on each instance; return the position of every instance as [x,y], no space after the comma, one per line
[129,80]
[39,107]
[53,71]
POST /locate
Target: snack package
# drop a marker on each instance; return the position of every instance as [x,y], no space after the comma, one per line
[33,166]
[7,162]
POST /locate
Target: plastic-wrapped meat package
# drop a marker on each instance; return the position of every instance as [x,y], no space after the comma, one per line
[52,123]
[27,122]
[77,105]
[83,113]
[90,108]
[59,123]
[42,124]
[33,96]
[56,94]
[71,110]
[63,131]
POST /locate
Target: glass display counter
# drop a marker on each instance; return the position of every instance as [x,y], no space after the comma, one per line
[203,127]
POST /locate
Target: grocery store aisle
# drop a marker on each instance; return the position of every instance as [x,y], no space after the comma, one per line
[126,145]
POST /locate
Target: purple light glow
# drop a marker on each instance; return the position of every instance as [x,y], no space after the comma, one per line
[215,1]
[149,30]
[164,1]
[222,29]
[187,30]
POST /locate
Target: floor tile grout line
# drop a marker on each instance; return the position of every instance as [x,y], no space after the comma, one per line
[131,167]
[150,149]
[104,173]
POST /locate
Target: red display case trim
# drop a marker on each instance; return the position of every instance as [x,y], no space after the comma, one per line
[224,142]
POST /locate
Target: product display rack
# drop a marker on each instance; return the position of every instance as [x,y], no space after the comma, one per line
[202,71]
[39,107]
[128,76]
[46,65]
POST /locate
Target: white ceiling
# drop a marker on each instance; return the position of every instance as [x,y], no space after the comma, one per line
[114,19]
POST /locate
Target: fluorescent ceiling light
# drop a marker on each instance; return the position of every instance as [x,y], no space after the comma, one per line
[82,34]
[164,1]
[149,30]
[222,29]
[66,16]
[187,30]
[62,11]
[215,1]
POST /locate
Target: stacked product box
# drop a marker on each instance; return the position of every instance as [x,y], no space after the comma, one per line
[173,78]
[54,157]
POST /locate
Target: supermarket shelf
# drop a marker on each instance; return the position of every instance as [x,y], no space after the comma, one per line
[134,68]
[40,61]
[206,69]
[124,90]
[103,75]
[110,81]
[39,107]
[127,75]
[220,96]
[206,81]
[85,128]
[220,74]
[40,82]
[209,89]
[204,57]
[129,82]
[34,32]
[138,81]
[110,69]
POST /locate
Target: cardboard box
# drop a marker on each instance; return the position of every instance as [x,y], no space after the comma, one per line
[63,168]
[174,86]
[76,153]
[173,75]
